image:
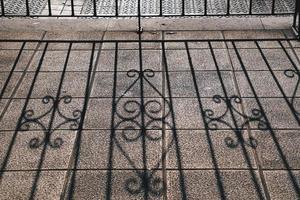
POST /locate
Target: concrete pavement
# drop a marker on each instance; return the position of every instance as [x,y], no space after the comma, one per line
[165,120]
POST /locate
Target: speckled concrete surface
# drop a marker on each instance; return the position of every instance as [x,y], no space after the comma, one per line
[200,120]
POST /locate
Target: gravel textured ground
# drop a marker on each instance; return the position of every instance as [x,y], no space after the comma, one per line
[150,120]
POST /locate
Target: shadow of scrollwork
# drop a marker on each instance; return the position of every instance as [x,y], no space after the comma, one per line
[232,104]
[293,74]
[145,182]
[30,119]
[138,120]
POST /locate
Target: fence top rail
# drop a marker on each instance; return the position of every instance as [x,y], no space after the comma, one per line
[148,41]
[151,15]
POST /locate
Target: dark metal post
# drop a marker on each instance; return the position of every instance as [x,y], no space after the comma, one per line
[27,8]
[140,28]
[183,8]
[49,8]
[116,8]
[72,8]
[95,7]
[2,8]
[273,7]
[296,24]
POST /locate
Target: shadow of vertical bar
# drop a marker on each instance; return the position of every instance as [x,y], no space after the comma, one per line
[238,130]
[77,146]
[8,153]
[49,130]
[269,128]
[12,71]
[209,140]
[173,128]
[108,192]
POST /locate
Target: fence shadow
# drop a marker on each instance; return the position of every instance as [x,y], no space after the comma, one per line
[144,119]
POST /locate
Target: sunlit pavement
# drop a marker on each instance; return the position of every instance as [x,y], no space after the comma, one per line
[132,119]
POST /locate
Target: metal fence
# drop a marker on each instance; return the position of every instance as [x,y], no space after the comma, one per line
[153,8]
[149,8]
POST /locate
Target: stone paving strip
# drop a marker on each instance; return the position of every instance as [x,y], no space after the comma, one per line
[206,117]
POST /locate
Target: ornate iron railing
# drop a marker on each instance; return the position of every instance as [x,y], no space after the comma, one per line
[147,8]
[144,8]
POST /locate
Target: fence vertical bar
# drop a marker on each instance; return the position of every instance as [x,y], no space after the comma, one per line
[72,8]
[27,8]
[182,8]
[250,7]
[116,8]
[228,8]
[140,29]
[49,8]
[205,7]
[160,8]
[2,8]
[296,23]
[273,7]
[95,8]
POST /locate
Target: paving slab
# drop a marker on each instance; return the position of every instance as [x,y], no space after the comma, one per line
[202,59]
[224,146]
[19,185]
[252,59]
[192,35]
[27,154]
[8,83]
[127,85]
[95,121]
[242,184]
[209,84]
[280,22]
[9,59]
[47,83]
[278,149]
[26,35]
[280,184]
[19,35]
[254,34]
[274,110]
[78,60]
[132,35]
[203,23]
[72,35]
[12,115]
[267,85]
[117,184]
[127,146]
[215,111]
[129,60]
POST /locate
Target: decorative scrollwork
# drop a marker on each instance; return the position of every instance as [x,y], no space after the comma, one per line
[145,73]
[145,181]
[234,143]
[231,108]
[294,74]
[29,119]
[231,102]
[138,120]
